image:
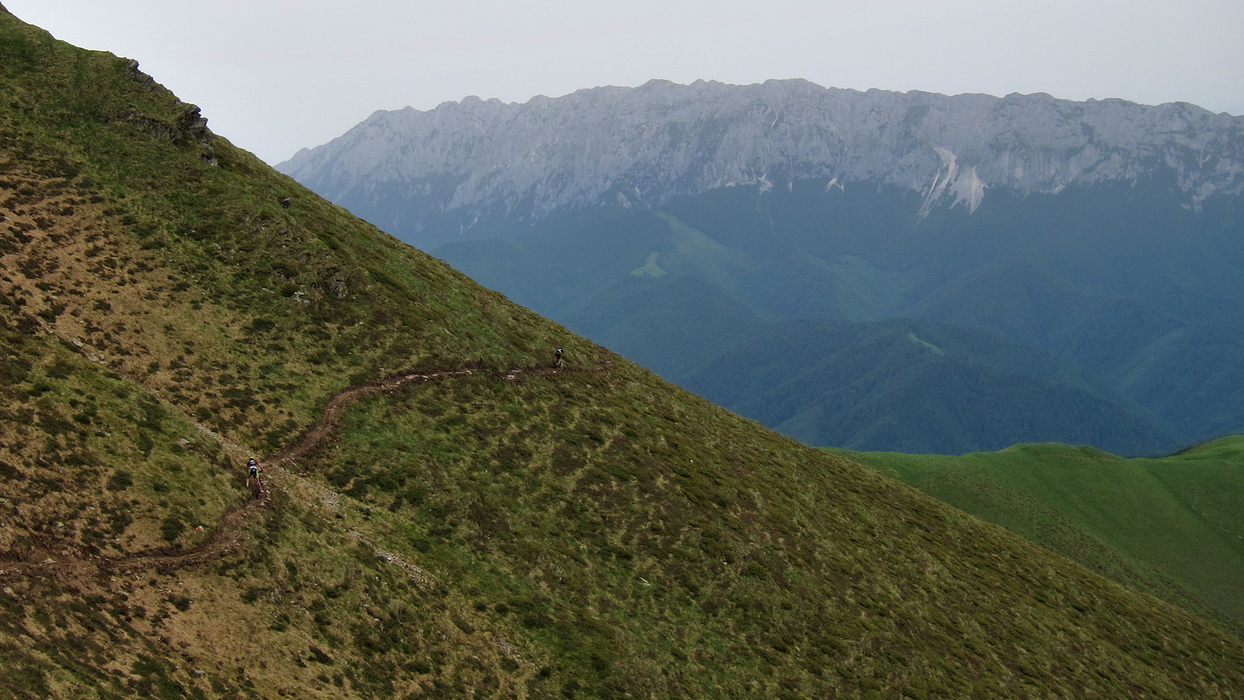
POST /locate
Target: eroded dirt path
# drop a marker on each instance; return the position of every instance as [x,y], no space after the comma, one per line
[337,407]
[227,533]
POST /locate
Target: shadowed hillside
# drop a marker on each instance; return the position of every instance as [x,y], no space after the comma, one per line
[911,385]
[464,519]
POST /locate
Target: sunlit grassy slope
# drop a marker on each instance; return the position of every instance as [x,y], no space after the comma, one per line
[170,306]
[1168,526]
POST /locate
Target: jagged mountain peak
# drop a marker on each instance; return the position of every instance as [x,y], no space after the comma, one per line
[616,146]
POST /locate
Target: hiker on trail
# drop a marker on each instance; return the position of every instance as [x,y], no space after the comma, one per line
[560,362]
[252,477]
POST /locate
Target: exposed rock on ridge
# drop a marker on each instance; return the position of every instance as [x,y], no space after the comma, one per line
[640,146]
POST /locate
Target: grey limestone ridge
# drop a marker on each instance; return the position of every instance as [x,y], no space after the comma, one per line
[610,146]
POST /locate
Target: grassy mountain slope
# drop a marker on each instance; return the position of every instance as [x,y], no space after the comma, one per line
[1167,526]
[473,522]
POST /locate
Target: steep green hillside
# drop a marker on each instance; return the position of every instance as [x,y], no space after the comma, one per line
[1169,526]
[445,514]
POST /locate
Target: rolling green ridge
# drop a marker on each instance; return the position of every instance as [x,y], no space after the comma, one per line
[1167,526]
[445,513]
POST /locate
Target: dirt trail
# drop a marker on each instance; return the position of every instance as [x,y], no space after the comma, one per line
[227,533]
[337,406]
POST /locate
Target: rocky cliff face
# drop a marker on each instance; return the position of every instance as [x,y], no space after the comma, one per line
[464,164]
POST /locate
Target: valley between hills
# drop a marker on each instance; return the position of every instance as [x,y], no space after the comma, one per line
[445,515]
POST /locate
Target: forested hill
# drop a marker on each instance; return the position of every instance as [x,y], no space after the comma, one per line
[444,512]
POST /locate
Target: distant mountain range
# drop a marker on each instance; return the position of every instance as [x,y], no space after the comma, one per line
[690,226]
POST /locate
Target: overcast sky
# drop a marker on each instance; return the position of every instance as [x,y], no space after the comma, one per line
[274,76]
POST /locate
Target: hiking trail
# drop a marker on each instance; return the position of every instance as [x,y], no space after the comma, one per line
[225,536]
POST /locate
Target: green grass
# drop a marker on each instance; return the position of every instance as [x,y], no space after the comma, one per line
[1170,526]
[655,523]
[94,459]
[588,533]
[222,259]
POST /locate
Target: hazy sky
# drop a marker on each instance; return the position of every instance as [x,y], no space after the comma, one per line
[274,76]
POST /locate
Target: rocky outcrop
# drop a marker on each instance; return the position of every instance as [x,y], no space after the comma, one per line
[477,159]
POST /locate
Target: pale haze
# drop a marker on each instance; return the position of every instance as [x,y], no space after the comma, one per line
[276,76]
